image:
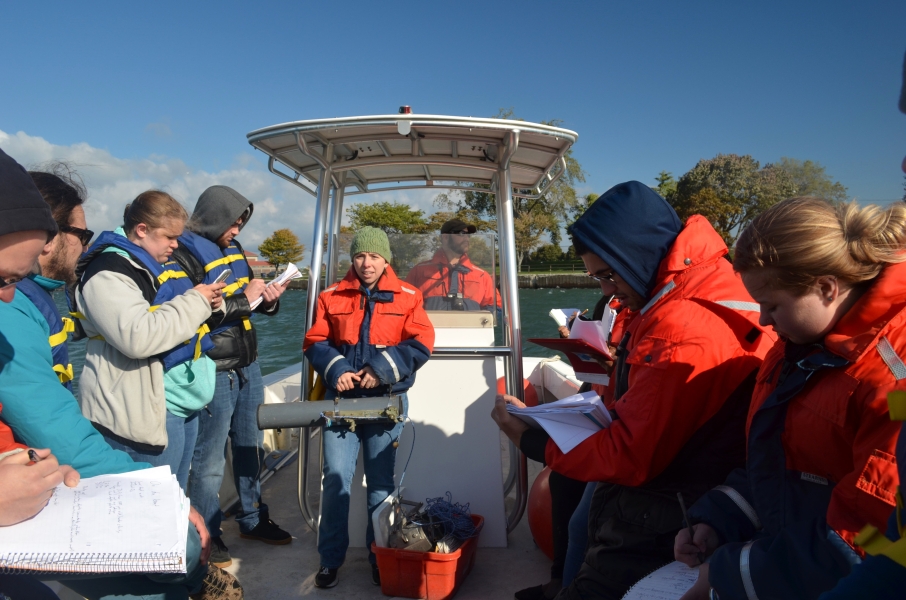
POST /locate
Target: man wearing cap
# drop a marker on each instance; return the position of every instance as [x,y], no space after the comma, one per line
[450,281]
[686,364]
[370,335]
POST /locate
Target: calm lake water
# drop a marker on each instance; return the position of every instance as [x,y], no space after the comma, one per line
[280,336]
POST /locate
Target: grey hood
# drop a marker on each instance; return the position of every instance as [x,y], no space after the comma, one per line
[217,209]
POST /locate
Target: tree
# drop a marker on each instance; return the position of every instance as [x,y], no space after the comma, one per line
[810,179]
[532,217]
[390,217]
[730,190]
[548,253]
[666,184]
[282,247]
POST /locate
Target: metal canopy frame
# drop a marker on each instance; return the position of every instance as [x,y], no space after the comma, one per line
[335,158]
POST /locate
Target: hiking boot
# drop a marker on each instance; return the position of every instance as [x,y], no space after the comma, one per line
[220,554]
[219,585]
[375,575]
[267,531]
[327,578]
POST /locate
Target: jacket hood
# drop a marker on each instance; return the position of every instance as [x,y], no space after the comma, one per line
[217,209]
[631,228]
[881,307]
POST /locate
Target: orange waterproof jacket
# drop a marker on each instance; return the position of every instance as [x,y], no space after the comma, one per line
[386,329]
[7,440]
[821,413]
[694,344]
[432,278]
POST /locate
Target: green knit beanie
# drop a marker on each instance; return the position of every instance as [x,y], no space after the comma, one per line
[371,239]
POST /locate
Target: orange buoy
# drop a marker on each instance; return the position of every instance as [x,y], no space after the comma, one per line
[531,395]
[539,513]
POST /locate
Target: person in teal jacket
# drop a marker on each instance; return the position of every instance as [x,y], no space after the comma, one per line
[44,414]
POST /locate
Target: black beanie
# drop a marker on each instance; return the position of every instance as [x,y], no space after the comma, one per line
[631,228]
[22,207]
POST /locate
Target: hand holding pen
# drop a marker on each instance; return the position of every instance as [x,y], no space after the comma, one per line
[27,481]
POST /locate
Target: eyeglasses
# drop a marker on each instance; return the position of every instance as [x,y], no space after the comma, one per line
[608,277]
[84,235]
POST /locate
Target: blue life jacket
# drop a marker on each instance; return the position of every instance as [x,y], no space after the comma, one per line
[59,326]
[216,260]
[170,281]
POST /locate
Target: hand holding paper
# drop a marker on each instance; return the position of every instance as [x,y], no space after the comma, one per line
[291,272]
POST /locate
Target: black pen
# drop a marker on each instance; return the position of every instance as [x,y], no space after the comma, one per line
[679,495]
[33,456]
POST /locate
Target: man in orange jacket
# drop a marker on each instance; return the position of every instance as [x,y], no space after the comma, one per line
[683,381]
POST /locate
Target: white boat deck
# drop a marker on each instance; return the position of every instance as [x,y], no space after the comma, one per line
[278,572]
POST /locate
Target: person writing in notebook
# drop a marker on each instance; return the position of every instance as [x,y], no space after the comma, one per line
[682,383]
[43,414]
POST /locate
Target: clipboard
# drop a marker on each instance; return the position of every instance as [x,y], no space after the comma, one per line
[581,356]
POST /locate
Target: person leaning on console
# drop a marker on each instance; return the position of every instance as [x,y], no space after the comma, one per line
[682,383]
[450,280]
[41,413]
[370,335]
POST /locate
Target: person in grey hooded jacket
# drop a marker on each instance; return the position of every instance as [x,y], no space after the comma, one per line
[206,250]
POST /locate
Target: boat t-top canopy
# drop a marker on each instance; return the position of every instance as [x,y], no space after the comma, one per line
[406,151]
[332,158]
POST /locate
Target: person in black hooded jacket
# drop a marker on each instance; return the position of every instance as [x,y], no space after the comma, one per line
[208,248]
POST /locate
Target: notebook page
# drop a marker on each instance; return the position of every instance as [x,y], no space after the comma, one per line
[108,514]
[669,582]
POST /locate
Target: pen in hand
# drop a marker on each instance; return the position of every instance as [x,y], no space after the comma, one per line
[33,456]
[679,495]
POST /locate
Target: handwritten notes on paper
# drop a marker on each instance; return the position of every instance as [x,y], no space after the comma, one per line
[669,582]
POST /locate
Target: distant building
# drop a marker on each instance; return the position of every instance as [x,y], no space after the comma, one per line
[261,268]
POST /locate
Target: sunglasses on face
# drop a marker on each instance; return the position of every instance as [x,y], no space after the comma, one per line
[84,235]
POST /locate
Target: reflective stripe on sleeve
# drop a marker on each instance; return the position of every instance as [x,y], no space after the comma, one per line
[396,373]
[741,502]
[746,573]
[740,305]
[331,363]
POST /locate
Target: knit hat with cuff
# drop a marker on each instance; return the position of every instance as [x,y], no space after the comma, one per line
[371,239]
[22,207]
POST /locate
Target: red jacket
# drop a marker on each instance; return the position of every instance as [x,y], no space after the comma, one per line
[7,440]
[432,278]
[386,329]
[690,348]
[822,413]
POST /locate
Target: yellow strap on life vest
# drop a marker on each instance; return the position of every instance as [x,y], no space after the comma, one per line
[77,315]
[202,331]
[896,404]
[247,323]
[167,275]
[231,289]
[223,261]
[60,337]
[64,373]
[876,544]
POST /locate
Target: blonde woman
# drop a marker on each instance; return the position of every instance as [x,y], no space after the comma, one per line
[145,375]
[820,461]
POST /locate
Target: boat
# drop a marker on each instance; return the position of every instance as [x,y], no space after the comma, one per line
[452,445]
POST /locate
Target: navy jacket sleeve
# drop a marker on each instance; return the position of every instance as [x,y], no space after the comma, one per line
[328,362]
[395,363]
[728,509]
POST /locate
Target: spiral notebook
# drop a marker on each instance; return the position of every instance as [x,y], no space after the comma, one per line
[134,522]
[669,582]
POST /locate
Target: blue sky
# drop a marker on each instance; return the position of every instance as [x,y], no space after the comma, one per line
[163,94]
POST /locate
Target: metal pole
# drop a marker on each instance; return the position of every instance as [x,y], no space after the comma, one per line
[333,235]
[314,288]
[513,317]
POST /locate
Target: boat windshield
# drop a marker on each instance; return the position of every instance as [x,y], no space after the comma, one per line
[454,271]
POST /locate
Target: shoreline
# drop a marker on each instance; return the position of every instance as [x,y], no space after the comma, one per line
[541,281]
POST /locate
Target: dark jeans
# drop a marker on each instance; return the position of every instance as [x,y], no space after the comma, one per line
[565,496]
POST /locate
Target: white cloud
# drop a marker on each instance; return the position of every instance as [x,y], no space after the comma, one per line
[112,182]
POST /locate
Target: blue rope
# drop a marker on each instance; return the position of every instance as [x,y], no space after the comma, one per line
[455,518]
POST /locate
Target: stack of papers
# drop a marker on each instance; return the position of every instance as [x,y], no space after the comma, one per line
[291,272]
[594,333]
[130,522]
[568,421]
[562,315]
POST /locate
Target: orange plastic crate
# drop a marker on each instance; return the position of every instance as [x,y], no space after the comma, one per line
[427,575]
